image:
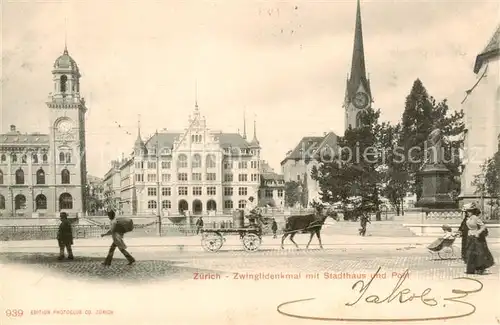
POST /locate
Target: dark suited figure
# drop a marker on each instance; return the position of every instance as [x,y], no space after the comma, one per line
[65,237]
[117,234]
[199,225]
[365,219]
[274,228]
[464,233]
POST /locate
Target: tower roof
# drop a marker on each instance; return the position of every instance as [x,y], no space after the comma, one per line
[358,69]
[491,50]
[255,142]
[65,62]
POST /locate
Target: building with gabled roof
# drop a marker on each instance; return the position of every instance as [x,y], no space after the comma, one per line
[482,116]
[191,172]
[309,152]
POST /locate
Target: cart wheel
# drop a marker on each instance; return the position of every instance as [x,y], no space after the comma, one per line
[251,242]
[212,242]
[446,253]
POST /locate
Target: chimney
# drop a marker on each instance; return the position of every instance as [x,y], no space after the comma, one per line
[12,128]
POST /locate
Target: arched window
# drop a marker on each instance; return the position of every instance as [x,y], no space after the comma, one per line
[211,205]
[211,161]
[2,202]
[151,204]
[68,157]
[65,176]
[13,158]
[20,202]
[45,158]
[64,79]
[182,161]
[24,159]
[166,204]
[242,204]
[3,158]
[19,176]
[65,201]
[196,163]
[61,157]
[34,158]
[228,204]
[41,202]
[1,177]
[40,176]
[358,120]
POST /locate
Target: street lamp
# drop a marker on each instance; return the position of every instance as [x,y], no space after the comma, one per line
[158,196]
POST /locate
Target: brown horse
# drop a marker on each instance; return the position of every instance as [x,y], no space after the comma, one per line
[310,223]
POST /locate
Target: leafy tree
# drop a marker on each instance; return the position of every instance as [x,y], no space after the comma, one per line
[487,183]
[292,193]
[94,203]
[354,172]
[421,116]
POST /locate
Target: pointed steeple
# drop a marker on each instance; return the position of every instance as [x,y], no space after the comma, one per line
[358,68]
[244,125]
[255,142]
[139,145]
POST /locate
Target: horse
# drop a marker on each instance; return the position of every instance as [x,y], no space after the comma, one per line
[310,223]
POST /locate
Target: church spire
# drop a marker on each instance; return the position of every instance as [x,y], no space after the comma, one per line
[358,68]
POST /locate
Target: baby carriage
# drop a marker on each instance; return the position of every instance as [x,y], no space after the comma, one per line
[443,246]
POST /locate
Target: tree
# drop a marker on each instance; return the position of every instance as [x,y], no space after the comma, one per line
[292,193]
[354,172]
[94,203]
[487,182]
[421,116]
[394,174]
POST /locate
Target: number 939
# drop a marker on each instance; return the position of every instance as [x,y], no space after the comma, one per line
[14,312]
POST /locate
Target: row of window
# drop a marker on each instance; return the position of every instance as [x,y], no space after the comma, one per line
[65,202]
[197,190]
[63,158]
[183,177]
[182,162]
[40,177]
[197,205]
[269,193]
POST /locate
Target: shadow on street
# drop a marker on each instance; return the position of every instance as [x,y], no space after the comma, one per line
[90,267]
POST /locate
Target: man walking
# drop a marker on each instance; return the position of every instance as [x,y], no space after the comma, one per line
[118,228]
[65,237]
[199,225]
[365,219]
[274,228]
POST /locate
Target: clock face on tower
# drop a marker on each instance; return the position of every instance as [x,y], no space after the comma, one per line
[361,100]
[65,126]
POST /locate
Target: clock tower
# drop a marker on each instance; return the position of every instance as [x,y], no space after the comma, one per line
[67,136]
[358,94]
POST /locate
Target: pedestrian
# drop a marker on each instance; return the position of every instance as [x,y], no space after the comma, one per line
[364,219]
[464,233]
[65,237]
[478,255]
[119,226]
[274,228]
[199,225]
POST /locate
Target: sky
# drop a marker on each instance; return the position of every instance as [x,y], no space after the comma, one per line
[282,63]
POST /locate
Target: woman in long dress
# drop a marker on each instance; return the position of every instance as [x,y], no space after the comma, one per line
[464,233]
[478,255]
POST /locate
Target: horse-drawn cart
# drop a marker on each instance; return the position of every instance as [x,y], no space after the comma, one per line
[213,239]
[250,235]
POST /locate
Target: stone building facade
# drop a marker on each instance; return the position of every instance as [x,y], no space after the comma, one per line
[43,174]
[197,171]
[482,116]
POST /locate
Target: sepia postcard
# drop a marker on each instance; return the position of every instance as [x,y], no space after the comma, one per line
[249,162]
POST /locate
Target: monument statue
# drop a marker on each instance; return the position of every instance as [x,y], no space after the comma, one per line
[434,150]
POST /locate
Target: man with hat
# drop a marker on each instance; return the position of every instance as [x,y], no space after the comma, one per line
[116,231]
[65,236]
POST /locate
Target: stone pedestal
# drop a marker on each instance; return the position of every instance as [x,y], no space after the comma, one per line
[435,186]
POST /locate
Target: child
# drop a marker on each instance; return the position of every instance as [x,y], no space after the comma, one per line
[438,243]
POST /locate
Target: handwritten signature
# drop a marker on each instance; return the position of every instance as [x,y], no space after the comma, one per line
[397,295]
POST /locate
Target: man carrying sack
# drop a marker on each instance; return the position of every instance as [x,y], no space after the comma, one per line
[119,227]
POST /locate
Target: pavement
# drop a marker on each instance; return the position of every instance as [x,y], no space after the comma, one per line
[193,243]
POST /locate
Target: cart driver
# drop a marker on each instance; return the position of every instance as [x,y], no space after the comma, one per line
[251,210]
